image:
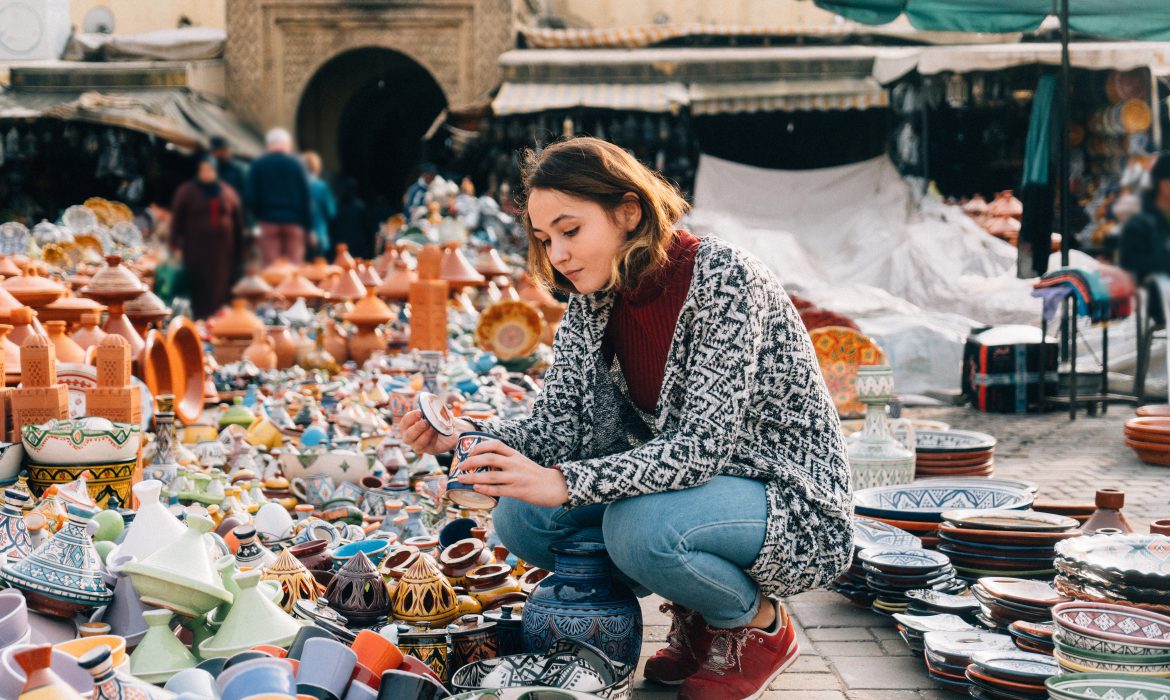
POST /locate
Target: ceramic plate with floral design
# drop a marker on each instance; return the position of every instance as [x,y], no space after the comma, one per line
[1143,560]
[509,329]
[840,351]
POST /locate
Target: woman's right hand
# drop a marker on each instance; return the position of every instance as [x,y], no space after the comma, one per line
[423,439]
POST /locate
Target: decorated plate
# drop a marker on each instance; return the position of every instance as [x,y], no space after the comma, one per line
[1019,666]
[1093,686]
[1026,520]
[943,441]
[509,329]
[78,379]
[926,500]
[840,351]
[436,413]
[933,623]
[1143,560]
[1113,622]
[1006,537]
[869,533]
[1022,590]
[904,560]
[962,644]
[79,219]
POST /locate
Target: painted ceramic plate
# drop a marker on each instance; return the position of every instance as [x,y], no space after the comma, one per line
[1092,686]
[436,413]
[927,500]
[952,441]
[962,644]
[509,329]
[907,561]
[840,351]
[933,623]
[1006,537]
[869,533]
[1143,560]
[1022,590]
[1026,520]
[1113,622]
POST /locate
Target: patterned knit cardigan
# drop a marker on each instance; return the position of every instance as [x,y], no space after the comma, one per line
[742,395]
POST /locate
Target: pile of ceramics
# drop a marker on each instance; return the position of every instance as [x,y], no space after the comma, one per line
[1124,569]
[949,653]
[949,453]
[1004,600]
[1016,675]
[1035,637]
[893,572]
[1016,543]
[1100,637]
[1001,217]
[869,534]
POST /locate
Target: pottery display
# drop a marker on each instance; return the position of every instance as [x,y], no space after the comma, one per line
[338,465]
[568,667]
[81,441]
[179,576]
[160,655]
[296,583]
[357,592]
[253,619]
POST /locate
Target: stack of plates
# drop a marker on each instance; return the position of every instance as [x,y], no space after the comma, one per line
[1011,675]
[1080,511]
[927,602]
[913,628]
[1035,637]
[918,507]
[1092,637]
[869,534]
[1150,438]
[892,573]
[1016,543]
[953,453]
[1123,569]
[1093,686]
[948,654]
[1006,600]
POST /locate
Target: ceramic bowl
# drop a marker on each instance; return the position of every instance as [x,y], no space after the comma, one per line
[87,440]
[1131,649]
[340,465]
[374,549]
[1118,623]
[14,623]
[11,456]
[925,501]
[1084,686]
[78,647]
[1082,664]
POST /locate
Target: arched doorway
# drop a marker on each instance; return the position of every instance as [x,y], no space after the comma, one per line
[365,112]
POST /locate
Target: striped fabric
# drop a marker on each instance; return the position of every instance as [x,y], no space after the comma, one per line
[523,98]
[786,96]
[647,35]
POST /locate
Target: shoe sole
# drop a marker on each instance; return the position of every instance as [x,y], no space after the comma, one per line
[776,674]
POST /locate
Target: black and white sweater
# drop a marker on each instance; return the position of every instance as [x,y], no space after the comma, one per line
[742,395]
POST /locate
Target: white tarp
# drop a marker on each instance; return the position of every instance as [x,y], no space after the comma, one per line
[915,274]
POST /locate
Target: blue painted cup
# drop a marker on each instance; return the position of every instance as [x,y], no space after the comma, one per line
[465,495]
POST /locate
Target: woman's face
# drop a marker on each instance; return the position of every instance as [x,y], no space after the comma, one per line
[206,172]
[580,238]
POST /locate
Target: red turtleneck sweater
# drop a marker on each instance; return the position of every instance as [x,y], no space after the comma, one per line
[641,325]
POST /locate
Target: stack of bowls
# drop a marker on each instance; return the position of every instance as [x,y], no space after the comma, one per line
[1094,686]
[948,654]
[1079,511]
[1035,637]
[953,453]
[1011,675]
[1016,543]
[918,507]
[869,534]
[1006,600]
[892,573]
[1099,637]
[1149,436]
[1129,569]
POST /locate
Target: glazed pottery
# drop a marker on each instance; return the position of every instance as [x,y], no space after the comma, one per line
[876,457]
[315,489]
[296,583]
[925,501]
[153,525]
[464,495]
[104,482]
[193,681]
[313,555]
[423,594]
[1108,514]
[509,628]
[161,654]
[357,592]
[253,619]
[328,664]
[112,685]
[11,458]
[493,584]
[375,652]
[258,679]
[124,613]
[1091,686]
[374,549]
[251,554]
[338,465]
[584,602]
[13,531]
[472,639]
[428,646]
[180,577]
[40,680]
[88,440]
[567,667]
[273,523]
[63,576]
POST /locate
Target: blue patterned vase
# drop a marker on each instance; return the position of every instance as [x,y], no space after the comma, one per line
[13,532]
[582,600]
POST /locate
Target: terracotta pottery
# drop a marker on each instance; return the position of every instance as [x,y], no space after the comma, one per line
[33,290]
[7,304]
[396,282]
[318,271]
[261,352]
[280,270]
[238,322]
[24,325]
[297,287]
[369,276]
[114,281]
[70,309]
[342,258]
[252,288]
[156,366]
[145,310]
[357,592]
[11,352]
[8,268]
[455,269]
[66,349]
[187,363]
[489,263]
[283,345]
[1108,513]
[348,287]
[89,334]
[336,342]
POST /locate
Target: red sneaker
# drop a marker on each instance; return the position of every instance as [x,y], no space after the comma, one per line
[743,662]
[688,640]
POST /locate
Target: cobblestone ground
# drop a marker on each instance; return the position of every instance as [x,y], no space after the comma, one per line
[856,654]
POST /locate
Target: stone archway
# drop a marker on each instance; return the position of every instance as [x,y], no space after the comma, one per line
[365,111]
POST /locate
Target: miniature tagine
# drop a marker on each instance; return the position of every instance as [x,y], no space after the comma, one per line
[280,270]
[455,270]
[252,289]
[252,620]
[358,593]
[348,287]
[368,314]
[297,287]
[396,282]
[13,531]
[489,263]
[237,323]
[180,577]
[160,655]
[114,285]
[63,576]
[33,290]
[145,310]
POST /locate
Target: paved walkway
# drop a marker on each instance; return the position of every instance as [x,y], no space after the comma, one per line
[856,654]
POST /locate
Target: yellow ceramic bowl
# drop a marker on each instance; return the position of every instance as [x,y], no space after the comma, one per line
[78,647]
[197,433]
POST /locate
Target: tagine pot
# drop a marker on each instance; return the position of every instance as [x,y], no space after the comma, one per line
[180,577]
[161,654]
[582,600]
[253,619]
[358,593]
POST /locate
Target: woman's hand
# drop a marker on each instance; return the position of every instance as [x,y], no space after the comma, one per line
[422,438]
[513,475]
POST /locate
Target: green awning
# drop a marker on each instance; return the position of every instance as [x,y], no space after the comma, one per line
[1126,19]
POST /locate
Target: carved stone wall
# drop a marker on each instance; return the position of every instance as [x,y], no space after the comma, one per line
[275,46]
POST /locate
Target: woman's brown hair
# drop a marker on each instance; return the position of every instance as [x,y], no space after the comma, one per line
[597,171]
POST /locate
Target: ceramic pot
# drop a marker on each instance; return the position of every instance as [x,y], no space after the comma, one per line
[313,555]
[104,482]
[13,531]
[89,440]
[154,526]
[374,549]
[161,654]
[338,465]
[316,489]
[180,577]
[296,583]
[193,681]
[63,576]
[877,458]
[253,619]
[428,646]
[1108,514]
[463,556]
[509,628]
[423,594]
[493,584]
[283,345]
[262,352]
[358,593]
[251,554]
[14,622]
[583,601]
[472,639]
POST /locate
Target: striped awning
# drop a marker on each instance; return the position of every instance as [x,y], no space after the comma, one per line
[634,37]
[523,98]
[787,96]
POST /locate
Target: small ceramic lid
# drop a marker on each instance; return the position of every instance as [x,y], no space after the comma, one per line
[436,413]
[489,263]
[147,306]
[238,322]
[369,276]
[455,269]
[318,271]
[114,278]
[296,286]
[348,286]
[33,289]
[369,311]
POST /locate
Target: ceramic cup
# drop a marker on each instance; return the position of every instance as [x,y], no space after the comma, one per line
[314,488]
[194,681]
[360,691]
[458,529]
[464,495]
[256,676]
[403,685]
[375,652]
[326,664]
[14,625]
[296,650]
[348,491]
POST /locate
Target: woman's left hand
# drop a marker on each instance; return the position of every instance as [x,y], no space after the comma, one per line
[513,475]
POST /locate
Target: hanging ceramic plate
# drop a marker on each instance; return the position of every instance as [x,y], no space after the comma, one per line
[436,413]
[509,329]
[840,351]
[1025,520]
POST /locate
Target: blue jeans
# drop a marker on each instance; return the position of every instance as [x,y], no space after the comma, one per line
[690,547]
